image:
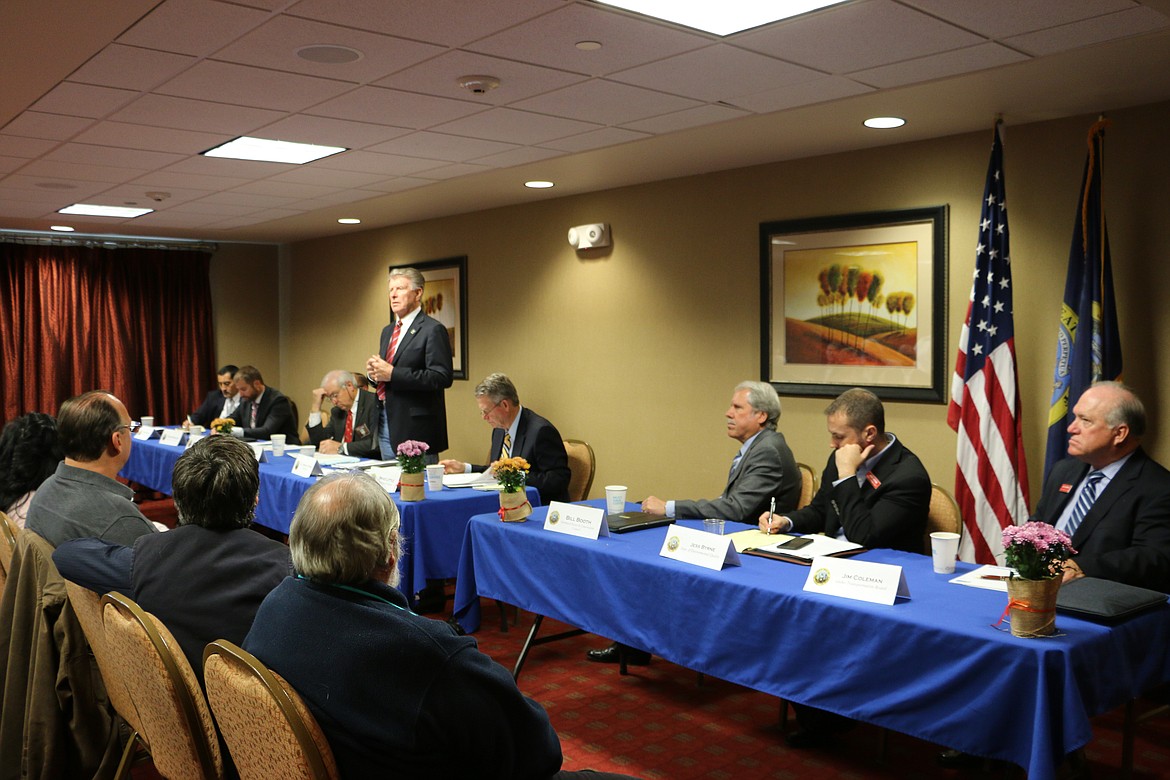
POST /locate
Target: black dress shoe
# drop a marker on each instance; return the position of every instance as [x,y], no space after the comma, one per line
[803,739]
[957,759]
[613,655]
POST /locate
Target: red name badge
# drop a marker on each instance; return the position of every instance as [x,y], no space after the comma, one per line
[1065,487]
[873,480]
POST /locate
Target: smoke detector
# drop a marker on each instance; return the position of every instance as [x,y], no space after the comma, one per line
[478,85]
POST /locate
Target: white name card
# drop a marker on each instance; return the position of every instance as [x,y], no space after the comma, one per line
[879,583]
[172,437]
[585,521]
[144,432]
[193,437]
[692,545]
[306,466]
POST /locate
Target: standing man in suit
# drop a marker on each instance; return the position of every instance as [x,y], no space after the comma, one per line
[263,410]
[519,431]
[219,403]
[1122,531]
[352,427]
[412,368]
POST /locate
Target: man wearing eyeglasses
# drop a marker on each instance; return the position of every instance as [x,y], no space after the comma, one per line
[352,424]
[83,498]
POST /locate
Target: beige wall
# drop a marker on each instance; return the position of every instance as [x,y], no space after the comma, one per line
[637,351]
[246,312]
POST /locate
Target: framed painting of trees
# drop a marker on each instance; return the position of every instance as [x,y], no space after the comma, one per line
[856,300]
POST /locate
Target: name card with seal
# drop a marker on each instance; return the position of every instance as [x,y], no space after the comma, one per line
[145,432]
[172,437]
[691,545]
[879,583]
[588,522]
[306,466]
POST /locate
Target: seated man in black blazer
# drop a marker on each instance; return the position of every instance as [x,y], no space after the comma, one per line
[218,403]
[526,434]
[263,410]
[352,426]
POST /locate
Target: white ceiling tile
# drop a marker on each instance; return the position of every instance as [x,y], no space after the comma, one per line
[337,198]
[135,192]
[936,66]
[828,88]
[520,156]
[222,166]
[605,102]
[169,179]
[83,99]
[607,136]
[510,125]
[311,174]
[1002,18]
[210,209]
[518,80]
[857,35]
[57,127]
[1077,34]
[196,27]
[108,155]
[184,114]
[440,146]
[275,44]
[681,120]
[285,189]
[247,86]
[158,139]
[462,20]
[10,164]
[130,67]
[329,132]
[51,189]
[24,208]
[171,218]
[453,171]
[20,146]
[716,73]
[246,199]
[394,107]
[74,171]
[398,184]
[255,218]
[625,41]
[386,164]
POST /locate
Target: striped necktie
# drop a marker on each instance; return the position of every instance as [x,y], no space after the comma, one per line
[1084,503]
[506,450]
[391,348]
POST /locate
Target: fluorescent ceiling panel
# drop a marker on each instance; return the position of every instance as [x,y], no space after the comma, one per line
[94,210]
[724,17]
[247,148]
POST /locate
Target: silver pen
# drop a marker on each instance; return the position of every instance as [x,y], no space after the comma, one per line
[771,511]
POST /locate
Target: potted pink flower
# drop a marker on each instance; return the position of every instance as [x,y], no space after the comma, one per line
[1037,552]
[410,459]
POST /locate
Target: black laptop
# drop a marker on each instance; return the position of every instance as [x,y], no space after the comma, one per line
[635,521]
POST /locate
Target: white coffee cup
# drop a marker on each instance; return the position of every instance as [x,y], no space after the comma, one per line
[278,444]
[434,477]
[615,499]
[944,547]
[147,422]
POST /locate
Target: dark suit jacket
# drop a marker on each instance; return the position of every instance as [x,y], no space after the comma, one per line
[539,443]
[1125,535]
[891,515]
[210,408]
[334,428]
[415,404]
[765,471]
[274,416]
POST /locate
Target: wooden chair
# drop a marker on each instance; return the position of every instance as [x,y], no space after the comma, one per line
[808,485]
[173,717]
[8,531]
[268,729]
[943,516]
[582,466]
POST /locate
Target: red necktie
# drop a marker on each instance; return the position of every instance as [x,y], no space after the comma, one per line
[348,437]
[390,350]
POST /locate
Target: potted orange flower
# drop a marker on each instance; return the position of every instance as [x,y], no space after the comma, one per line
[512,474]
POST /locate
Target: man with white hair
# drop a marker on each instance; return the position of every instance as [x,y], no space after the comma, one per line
[352,424]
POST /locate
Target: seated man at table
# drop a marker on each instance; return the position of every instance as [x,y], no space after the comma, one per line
[762,470]
[263,410]
[352,427]
[875,492]
[396,692]
[205,579]
[518,431]
[84,497]
[219,403]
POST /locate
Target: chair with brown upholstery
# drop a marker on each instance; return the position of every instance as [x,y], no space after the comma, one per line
[7,545]
[173,717]
[943,516]
[268,729]
[582,467]
[808,485]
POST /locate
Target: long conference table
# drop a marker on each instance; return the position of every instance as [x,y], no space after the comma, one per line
[432,529]
[931,666]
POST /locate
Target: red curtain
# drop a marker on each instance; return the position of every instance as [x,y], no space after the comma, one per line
[136,322]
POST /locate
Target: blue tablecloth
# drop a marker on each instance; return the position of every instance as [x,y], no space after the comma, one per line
[931,666]
[433,528]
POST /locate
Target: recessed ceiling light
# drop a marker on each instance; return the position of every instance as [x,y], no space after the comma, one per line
[94,210]
[61,228]
[588,45]
[349,221]
[329,54]
[538,185]
[884,122]
[721,18]
[264,150]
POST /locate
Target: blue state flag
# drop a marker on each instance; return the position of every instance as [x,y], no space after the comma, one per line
[1088,345]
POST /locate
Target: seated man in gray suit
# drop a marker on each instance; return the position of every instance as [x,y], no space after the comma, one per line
[763,469]
[352,425]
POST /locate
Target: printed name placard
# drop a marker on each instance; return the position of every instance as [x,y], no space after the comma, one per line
[172,437]
[145,432]
[691,545]
[879,583]
[306,466]
[585,521]
[193,437]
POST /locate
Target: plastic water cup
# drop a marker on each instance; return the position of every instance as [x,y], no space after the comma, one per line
[615,499]
[147,422]
[434,477]
[713,525]
[278,444]
[944,548]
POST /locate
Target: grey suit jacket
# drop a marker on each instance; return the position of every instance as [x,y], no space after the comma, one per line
[766,470]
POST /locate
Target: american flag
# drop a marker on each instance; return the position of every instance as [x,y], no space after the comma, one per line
[991,476]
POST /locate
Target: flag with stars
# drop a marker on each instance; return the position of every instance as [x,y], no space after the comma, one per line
[991,479]
[1088,344]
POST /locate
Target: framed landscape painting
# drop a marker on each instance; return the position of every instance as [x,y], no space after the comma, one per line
[856,300]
